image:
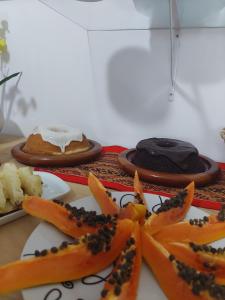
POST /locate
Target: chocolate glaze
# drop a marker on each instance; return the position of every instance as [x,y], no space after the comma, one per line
[168,155]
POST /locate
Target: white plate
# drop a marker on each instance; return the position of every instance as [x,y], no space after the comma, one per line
[53,188]
[46,236]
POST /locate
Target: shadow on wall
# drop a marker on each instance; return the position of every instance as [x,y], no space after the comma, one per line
[138,79]
[89,0]
[12,94]
[8,100]
[202,12]
[138,83]
[191,12]
[157,11]
[12,128]
[202,68]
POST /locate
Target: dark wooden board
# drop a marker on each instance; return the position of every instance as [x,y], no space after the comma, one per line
[61,160]
[211,173]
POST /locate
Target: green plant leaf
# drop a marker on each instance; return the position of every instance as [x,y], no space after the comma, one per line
[9,77]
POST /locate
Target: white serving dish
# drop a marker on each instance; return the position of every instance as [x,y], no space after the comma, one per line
[53,188]
[46,236]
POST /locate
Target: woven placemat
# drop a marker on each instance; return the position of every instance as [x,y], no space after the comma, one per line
[108,170]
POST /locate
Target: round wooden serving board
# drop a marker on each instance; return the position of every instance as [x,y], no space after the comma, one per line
[62,160]
[211,173]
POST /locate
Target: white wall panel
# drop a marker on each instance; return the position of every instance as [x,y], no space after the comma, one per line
[131,77]
[139,14]
[131,71]
[113,14]
[53,54]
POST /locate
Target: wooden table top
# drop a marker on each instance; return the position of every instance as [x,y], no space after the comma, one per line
[14,235]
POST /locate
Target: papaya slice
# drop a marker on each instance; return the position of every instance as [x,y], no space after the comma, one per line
[138,190]
[204,258]
[178,280]
[102,196]
[171,211]
[164,270]
[88,255]
[136,210]
[199,231]
[70,220]
[133,211]
[123,281]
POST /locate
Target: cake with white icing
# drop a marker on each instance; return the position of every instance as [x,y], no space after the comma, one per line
[56,140]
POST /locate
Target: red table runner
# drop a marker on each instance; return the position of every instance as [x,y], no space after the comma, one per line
[108,170]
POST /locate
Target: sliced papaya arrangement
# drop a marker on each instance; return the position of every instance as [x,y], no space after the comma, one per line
[171,211]
[88,255]
[175,250]
[204,258]
[199,231]
[123,281]
[72,221]
[103,197]
[178,280]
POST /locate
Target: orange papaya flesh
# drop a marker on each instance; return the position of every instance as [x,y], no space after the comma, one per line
[199,231]
[133,211]
[70,220]
[171,211]
[123,281]
[177,280]
[164,270]
[138,190]
[204,258]
[103,197]
[90,254]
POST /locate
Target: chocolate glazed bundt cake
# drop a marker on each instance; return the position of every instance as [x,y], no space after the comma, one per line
[168,155]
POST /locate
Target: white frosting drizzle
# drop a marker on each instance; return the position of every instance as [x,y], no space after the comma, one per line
[59,135]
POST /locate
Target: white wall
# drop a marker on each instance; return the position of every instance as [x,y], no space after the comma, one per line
[132,76]
[121,95]
[53,54]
